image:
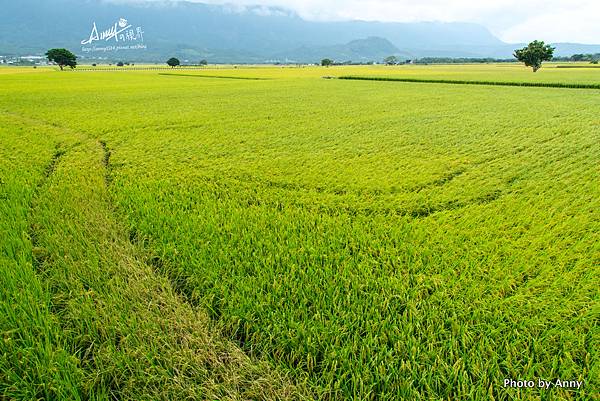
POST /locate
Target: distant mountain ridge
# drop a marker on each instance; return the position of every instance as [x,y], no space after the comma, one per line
[195,31]
[371,49]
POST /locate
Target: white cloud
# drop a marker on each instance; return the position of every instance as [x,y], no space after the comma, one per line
[511,20]
[575,22]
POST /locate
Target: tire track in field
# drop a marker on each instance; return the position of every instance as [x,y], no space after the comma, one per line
[38,253]
[76,228]
[52,369]
[156,262]
[106,162]
[250,378]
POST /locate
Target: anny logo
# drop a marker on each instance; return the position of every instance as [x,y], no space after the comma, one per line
[120,36]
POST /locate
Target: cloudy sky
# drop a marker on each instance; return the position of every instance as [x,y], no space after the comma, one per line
[511,20]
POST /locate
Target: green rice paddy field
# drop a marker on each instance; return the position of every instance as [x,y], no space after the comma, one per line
[172,237]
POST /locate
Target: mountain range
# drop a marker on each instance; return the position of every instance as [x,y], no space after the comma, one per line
[227,34]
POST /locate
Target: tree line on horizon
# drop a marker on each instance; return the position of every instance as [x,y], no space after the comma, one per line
[533,55]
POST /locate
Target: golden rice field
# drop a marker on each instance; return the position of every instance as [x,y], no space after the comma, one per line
[189,235]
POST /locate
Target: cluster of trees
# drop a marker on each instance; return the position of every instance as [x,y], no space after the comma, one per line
[174,62]
[592,58]
[462,60]
[326,62]
[391,60]
[585,57]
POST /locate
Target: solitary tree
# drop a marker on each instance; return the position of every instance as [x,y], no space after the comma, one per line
[173,62]
[391,60]
[203,63]
[534,54]
[326,62]
[62,57]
